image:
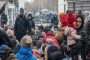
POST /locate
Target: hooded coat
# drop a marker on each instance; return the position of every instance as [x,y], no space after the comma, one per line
[64,21]
[30,24]
[20,28]
[71,19]
[25,54]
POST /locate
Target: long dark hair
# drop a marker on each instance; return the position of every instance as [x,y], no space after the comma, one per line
[82,18]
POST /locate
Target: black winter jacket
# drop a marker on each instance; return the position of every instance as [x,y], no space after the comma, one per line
[20,28]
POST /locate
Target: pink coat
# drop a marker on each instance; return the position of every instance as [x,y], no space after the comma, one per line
[71,34]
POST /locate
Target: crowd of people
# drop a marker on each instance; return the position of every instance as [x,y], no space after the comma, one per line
[25,41]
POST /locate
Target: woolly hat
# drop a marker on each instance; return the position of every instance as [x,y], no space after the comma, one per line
[25,41]
[63,21]
[70,19]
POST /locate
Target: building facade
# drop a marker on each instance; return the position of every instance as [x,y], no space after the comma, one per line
[38,5]
[82,5]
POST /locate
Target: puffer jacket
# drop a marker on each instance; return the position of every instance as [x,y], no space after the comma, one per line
[25,54]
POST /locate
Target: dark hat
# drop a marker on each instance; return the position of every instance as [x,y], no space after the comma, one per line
[47,28]
[30,15]
[21,10]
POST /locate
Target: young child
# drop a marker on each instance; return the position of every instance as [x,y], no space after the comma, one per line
[70,30]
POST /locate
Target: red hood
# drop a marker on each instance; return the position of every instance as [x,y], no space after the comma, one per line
[51,36]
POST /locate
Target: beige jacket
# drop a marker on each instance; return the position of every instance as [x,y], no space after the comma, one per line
[71,34]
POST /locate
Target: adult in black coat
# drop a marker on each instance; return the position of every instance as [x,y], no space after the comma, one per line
[31,24]
[81,31]
[20,28]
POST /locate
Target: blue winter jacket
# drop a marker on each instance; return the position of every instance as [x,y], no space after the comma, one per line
[25,54]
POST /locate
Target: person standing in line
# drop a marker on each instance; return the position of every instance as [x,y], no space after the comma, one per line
[20,28]
[31,24]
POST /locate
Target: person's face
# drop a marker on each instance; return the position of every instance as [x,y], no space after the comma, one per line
[55,29]
[29,17]
[49,32]
[21,13]
[76,13]
[78,22]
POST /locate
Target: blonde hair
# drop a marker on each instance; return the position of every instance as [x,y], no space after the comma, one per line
[25,40]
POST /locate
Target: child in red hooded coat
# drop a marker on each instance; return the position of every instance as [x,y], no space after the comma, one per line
[68,25]
[70,31]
